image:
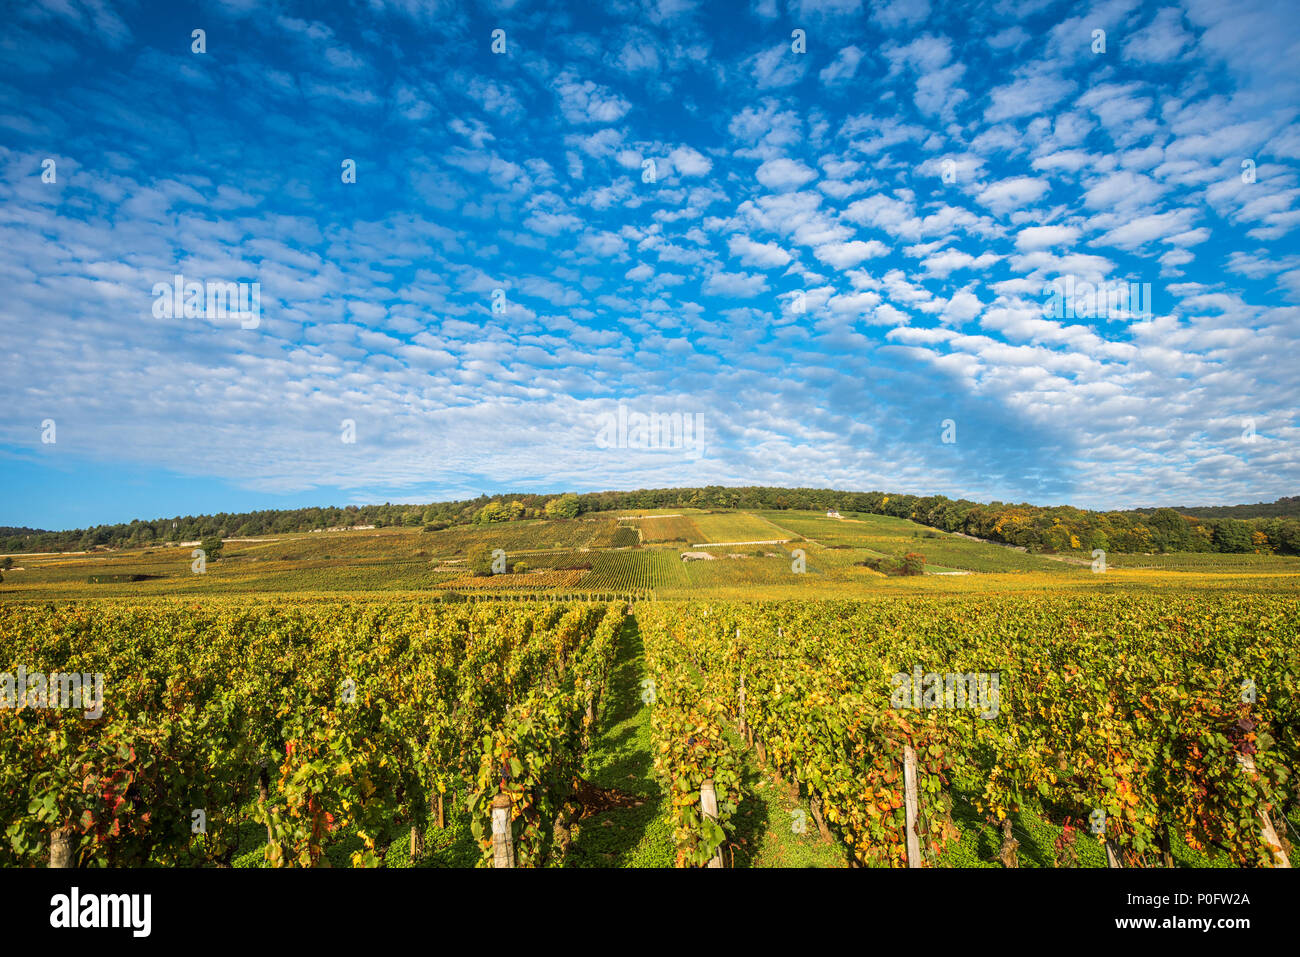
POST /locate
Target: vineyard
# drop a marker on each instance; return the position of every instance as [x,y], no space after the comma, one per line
[667,528]
[316,733]
[771,555]
[321,723]
[641,570]
[1144,722]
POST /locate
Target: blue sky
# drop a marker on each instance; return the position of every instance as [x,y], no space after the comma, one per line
[839,250]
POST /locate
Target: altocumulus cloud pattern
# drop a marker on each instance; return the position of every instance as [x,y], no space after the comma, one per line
[457,240]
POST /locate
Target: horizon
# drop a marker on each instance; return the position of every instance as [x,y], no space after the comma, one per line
[406,253]
[555,494]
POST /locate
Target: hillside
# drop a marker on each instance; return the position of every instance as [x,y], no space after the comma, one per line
[1036,528]
[734,553]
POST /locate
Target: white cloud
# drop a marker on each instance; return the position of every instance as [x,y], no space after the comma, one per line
[893,14]
[887,315]
[735,285]
[760,255]
[689,162]
[1018,192]
[777,67]
[962,307]
[583,102]
[784,174]
[843,67]
[847,255]
[1044,237]
[947,261]
[1160,41]
[1029,95]
[1132,233]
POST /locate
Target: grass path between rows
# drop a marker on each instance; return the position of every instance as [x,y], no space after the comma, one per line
[773,828]
[620,757]
[774,825]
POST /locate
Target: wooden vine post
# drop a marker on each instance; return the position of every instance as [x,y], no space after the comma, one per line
[815,805]
[1112,856]
[1266,823]
[709,808]
[1166,852]
[503,845]
[1007,853]
[417,843]
[61,845]
[264,795]
[744,726]
[910,802]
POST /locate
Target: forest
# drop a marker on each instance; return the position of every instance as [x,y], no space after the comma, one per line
[1271,528]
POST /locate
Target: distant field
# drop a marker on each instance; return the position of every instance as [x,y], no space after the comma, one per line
[523,536]
[896,536]
[527,581]
[747,571]
[667,529]
[635,570]
[1210,561]
[602,554]
[735,527]
[556,558]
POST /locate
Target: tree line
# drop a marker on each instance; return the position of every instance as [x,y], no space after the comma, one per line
[1273,528]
